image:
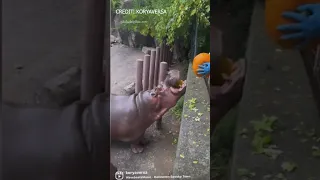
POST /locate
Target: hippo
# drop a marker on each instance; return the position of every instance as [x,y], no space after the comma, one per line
[74,142]
[131,115]
[47,143]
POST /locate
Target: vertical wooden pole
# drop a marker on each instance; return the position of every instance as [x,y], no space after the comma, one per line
[139,74]
[162,76]
[163,71]
[149,52]
[167,56]
[152,70]
[156,67]
[91,76]
[162,52]
[146,68]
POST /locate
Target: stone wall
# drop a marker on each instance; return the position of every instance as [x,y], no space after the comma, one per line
[193,150]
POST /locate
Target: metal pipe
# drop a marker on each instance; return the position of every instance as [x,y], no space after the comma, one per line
[91,76]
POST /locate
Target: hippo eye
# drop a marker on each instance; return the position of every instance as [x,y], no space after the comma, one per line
[153,94]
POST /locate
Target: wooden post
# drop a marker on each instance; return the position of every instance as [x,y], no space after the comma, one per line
[152,70]
[139,73]
[165,53]
[146,68]
[91,76]
[149,52]
[162,76]
[163,71]
[169,57]
[156,67]
[162,52]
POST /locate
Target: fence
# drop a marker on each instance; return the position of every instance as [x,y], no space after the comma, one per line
[152,69]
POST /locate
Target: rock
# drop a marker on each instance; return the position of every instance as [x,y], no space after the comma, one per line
[65,88]
[129,38]
[130,89]
[112,39]
[145,49]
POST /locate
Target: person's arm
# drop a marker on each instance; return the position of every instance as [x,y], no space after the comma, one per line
[307,26]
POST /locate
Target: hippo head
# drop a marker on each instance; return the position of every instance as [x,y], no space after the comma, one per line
[164,98]
[171,89]
[165,95]
[169,95]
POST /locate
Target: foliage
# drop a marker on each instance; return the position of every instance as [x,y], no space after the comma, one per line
[115,4]
[177,109]
[172,24]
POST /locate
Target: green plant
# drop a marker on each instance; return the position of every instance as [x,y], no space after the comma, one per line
[115,4]
[177,109]
[174,23]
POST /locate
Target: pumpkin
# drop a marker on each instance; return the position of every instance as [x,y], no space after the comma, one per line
[273,18]
[225,66]
[198,60]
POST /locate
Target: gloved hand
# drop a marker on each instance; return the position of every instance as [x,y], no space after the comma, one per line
[204,69]
[306,28]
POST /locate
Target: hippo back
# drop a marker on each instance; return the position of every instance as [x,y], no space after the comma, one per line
[42,143]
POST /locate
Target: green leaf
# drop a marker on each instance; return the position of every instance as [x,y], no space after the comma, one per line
[289,166]
[193,12]
[260,141]
[315,151]
[272,152]
[266,124]
[280,176]
[242,172]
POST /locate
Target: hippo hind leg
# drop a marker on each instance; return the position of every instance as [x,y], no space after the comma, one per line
[137,148]
[138,145]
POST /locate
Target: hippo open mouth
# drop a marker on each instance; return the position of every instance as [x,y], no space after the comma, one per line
[180,90]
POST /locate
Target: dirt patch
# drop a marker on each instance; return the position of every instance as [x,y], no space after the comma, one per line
[157,157]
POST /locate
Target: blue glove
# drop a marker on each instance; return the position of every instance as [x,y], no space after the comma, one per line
[204,69]
[306,28]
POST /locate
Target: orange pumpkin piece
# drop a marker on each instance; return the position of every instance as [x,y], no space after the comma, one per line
[273,18]
[198,60]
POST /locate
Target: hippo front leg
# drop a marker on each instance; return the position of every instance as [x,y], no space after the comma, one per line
[138,145]
[159,118]
[159,124]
